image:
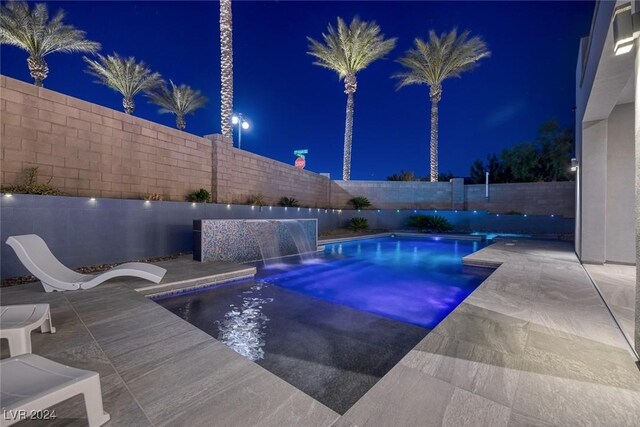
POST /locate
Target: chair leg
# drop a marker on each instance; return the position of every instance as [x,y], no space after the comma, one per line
[20,344]
[48,288]
[47,326]
[93,403]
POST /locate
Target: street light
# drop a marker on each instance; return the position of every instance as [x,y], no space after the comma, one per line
[574,164]
[242,124]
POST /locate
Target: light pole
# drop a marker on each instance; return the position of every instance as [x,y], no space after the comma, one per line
[242,124]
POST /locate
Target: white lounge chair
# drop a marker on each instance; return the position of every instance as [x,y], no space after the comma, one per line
[34,253]
[31,384]
[17,322]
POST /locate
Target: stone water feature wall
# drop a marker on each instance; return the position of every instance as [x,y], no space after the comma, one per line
[250,240]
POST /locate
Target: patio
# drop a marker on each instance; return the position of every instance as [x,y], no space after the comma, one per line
[533,345]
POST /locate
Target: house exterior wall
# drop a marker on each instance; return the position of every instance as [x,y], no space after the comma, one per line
[620,216]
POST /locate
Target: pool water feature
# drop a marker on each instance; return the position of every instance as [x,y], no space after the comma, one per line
[334,325]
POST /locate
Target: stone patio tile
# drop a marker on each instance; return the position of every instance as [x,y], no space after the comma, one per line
[477,369]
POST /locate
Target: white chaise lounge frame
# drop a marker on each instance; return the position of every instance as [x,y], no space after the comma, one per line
[18,321]
[32,383]
[34,253]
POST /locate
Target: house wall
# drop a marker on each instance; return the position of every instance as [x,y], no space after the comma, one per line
[620,215]
[593,176]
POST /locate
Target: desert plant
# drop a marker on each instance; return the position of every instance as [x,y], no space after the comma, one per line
[358,224]
[256,200]
[433,223]
[348,50]
[123,75]
[417,221]
[153,197]
[31,186]
[199,196]
[438,223]
[179,100]
[360,202]
[289,202]
[434,61]
[33,31]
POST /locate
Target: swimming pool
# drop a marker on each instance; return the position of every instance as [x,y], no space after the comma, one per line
[413,280]
[334,324]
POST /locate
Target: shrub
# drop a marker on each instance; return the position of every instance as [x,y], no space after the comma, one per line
[256,200]
[358,224]
[289,202]
[199,196]
[153,197]
[435,223]
[360,202]
[31,186]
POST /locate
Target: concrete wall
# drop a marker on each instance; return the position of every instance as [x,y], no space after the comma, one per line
[620,213]
[393,194]
[89,150]
[93,151]
[538,198]
[239,174]
[83,232]
[534,198]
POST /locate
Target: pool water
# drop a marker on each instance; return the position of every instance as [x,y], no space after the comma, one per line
[413,280]
[334,324]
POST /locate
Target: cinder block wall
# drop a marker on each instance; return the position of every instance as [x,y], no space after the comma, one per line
[90,150]
[93,151]
[533,198]
[394,194]
[239,174]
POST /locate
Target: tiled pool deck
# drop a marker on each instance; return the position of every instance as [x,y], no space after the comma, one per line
[533,345]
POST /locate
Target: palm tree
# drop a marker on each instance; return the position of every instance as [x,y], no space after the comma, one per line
[432,62]
[179,100]
[348,50]
[226,68]
[33,31]
[124,75]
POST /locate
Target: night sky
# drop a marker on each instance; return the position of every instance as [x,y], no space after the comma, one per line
[293,104]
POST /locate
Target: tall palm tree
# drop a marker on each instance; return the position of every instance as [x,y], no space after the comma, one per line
[432,62]
[348,50]
[226,68]
[179,100]
[33,31]
[124,75]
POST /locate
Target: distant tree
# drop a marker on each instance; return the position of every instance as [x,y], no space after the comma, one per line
[522,163]
[477,173]
[556,148]
[33,31]
[179,100]
[403,176]
[445,176]
[124,75]
[348,50]
[432,62]
[547,158]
